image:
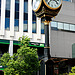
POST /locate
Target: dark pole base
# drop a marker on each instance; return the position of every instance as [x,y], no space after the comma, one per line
[49,68]
[42,68]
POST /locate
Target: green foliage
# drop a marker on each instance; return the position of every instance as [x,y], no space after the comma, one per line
[4,59]
[64,74]
[73,71]
[24,62]
[70,73]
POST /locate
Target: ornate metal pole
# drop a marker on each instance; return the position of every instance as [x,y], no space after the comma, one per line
[47,46]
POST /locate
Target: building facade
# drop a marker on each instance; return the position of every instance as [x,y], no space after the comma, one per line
[17,19]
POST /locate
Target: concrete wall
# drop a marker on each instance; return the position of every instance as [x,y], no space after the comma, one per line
[73,0]
[61,43]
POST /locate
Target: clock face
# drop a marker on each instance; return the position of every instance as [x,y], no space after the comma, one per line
[53,4]
[36,5]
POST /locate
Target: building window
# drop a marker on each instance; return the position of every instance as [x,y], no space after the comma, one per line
[7,15]
[16,20]
[25,21]
[0,4]
[7,4]
[7,23]
[33,22]
[72,27]
[16,25]
[63,26]
[66,26]
[34,26]
[67,0]
[60,25]
[0,14]
[54,24]
[42,28]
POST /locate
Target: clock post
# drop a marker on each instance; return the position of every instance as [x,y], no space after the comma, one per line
[46,9]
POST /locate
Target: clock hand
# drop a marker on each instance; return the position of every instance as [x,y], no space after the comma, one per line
[55,1]
[49,1]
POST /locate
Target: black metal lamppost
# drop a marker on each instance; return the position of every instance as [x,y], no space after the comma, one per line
[46,9]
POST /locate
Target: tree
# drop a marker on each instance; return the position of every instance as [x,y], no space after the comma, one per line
[72,71]
[24,62]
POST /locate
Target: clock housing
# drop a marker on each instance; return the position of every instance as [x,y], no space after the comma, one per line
[36,4]
[44,10]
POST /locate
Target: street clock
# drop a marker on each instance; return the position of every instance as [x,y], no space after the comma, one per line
[46,8]
[53,4]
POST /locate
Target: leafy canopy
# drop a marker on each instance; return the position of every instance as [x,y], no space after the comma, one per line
[72,71]
[24,62]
